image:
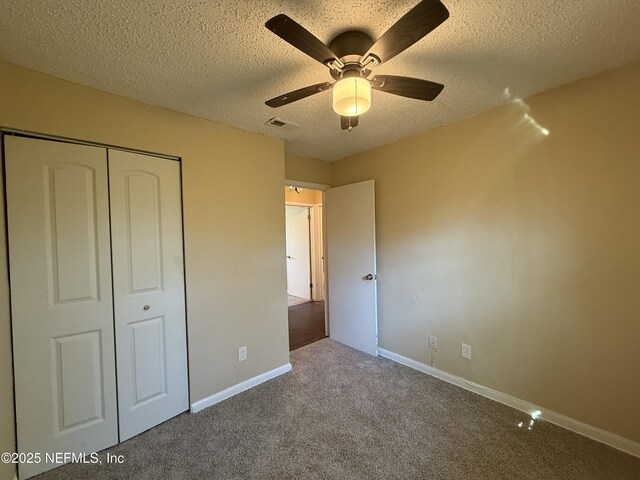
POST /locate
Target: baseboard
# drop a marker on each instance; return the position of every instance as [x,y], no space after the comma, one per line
[594,433]
[240,387]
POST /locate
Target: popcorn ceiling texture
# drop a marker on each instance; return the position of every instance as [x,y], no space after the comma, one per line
[217,60]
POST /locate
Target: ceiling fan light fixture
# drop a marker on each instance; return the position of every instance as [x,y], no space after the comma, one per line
[351,96]
[353,54]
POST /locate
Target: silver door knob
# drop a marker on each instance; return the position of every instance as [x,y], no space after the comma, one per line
[371,276]
[146,307]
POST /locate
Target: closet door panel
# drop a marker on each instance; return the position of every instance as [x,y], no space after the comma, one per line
[146,222]
[61,297]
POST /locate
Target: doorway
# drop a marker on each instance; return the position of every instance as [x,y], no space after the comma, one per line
[305,266]
[347,263]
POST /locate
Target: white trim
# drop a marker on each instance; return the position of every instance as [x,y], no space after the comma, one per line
[594,433]
[327,321]
[240,387]
[317,267]
[57,138]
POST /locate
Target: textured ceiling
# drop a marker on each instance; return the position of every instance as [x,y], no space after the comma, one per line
[217,60]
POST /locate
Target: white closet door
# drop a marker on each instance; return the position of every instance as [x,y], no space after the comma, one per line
[148,279]
[61,299]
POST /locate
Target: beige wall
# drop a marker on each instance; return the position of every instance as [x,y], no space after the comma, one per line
[226,261]
[303,195]
[525,246]
[305,169]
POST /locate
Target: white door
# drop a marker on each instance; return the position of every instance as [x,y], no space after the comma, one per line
[148,285]
[351,265]
[298,252]
[61,299]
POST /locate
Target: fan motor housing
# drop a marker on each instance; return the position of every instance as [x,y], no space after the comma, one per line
[351,45]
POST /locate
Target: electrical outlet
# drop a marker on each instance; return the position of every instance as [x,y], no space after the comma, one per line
[466,351]
[433,343]
[242,353]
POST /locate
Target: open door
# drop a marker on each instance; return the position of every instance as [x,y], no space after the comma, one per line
[298,252]
[351,265]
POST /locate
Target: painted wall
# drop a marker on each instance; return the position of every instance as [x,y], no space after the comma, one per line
[305,169]
[225,259]
[524,245]
[304,195]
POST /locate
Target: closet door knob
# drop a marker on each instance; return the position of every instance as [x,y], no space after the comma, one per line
[146,307]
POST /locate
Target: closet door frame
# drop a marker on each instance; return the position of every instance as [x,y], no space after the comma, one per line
[9,131]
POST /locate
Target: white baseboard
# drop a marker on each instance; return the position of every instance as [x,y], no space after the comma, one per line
[240,387]
[597,434]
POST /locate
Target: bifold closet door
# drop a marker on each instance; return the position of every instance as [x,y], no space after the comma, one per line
[149,300]
[61,298]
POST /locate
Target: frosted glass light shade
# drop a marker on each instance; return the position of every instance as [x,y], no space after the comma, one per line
[351,96]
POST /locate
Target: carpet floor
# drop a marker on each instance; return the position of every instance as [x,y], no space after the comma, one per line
[341,414]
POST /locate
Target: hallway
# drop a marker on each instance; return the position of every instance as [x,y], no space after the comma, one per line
[306,324]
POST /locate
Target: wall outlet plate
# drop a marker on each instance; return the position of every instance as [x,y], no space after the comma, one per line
[433,343]
[466,351]
[242,353]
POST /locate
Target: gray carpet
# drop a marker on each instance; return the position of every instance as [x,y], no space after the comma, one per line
[341,414]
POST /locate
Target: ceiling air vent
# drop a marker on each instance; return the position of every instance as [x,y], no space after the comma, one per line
[282,124]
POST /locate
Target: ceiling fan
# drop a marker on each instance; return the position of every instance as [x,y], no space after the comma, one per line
[352,55]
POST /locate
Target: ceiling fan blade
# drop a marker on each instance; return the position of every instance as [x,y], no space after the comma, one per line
[348,122]
[415,24]
[298,94]
[295,34]
[407,86]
